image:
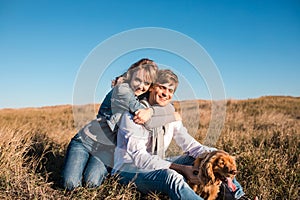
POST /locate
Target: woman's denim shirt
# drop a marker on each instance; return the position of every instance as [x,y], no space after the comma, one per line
[105,108]
[120,99]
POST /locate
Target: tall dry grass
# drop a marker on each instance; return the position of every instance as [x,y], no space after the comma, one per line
[262,133]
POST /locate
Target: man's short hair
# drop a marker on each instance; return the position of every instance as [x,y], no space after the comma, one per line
[167,76]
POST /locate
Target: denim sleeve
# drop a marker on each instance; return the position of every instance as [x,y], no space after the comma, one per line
[123,99]
[105,108]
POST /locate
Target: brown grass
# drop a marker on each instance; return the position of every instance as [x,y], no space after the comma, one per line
[263,133]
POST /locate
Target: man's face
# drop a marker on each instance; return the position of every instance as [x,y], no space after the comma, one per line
[161,94]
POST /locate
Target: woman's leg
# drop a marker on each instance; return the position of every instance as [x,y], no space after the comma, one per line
[74,165]
[95,172]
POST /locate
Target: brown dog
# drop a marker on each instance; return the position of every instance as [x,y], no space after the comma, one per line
[212,169]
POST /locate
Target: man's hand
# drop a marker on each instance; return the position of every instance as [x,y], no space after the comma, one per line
[191,175]
[142,115]
[188,172]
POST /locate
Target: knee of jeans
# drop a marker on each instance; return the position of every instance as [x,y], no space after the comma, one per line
[94,180]
[71,183]
[92,183]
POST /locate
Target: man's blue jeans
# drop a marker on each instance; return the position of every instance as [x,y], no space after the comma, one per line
[165,181]
[85,163]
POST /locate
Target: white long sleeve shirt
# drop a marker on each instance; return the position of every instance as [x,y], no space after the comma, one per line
[134,144]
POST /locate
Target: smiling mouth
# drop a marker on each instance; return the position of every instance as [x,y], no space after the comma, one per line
[139,90]
[162,98]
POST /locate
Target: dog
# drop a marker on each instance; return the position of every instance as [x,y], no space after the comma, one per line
[213,168]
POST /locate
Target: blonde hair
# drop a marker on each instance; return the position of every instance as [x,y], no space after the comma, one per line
[150,72]
[143,61]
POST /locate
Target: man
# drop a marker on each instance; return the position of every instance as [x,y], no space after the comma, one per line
[139,155]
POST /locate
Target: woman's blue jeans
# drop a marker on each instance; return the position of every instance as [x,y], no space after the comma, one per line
[165,181]
[86,163]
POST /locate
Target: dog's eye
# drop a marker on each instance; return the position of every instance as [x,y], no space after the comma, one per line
[195,172]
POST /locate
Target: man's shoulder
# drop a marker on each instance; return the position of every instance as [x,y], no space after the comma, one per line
[170,106]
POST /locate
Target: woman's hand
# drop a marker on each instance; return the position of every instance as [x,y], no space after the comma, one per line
[142,115]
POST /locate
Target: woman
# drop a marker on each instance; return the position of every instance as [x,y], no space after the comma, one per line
[89,156]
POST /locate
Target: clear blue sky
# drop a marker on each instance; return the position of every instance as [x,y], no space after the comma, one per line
[255,44]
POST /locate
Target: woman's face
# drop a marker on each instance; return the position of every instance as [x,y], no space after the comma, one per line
[139,82]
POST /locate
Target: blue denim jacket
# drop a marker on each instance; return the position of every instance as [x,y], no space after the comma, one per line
[120,99]
[105,108]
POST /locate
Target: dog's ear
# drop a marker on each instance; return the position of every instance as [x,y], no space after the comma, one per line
[197,163]
[204,155]
[209,172]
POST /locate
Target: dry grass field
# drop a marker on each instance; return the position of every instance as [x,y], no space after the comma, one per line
[263,134]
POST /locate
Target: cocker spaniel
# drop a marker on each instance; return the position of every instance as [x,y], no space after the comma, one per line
[213,168]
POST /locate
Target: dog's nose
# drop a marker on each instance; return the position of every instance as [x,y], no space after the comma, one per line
[233,172]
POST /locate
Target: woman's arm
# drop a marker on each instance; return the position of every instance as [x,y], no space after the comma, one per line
[123,99]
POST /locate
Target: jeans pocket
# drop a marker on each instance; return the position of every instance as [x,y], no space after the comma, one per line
[77,138]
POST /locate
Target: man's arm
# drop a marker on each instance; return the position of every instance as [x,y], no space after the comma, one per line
[187,142]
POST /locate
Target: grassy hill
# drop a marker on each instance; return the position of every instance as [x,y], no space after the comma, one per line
[263,134]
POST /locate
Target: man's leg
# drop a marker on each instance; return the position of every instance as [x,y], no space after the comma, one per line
[165,181]
[239,190]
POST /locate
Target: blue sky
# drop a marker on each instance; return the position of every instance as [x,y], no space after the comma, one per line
[255,45]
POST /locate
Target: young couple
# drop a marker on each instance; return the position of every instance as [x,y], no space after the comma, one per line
[134,127]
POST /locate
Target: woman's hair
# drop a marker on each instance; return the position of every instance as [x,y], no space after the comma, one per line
[167,76]
[148,65]
[150,72]
[142,61]
[117,80]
